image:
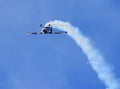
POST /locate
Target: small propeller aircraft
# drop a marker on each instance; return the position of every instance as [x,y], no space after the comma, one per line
[47,30]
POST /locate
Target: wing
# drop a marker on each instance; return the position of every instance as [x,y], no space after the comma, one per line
[60,32]
[33,33]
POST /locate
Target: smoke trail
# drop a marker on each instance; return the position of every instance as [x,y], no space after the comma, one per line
[96,60]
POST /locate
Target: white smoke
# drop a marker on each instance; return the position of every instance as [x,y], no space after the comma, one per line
[96,60]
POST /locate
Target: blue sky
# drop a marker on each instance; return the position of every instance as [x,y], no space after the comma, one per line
[55,61]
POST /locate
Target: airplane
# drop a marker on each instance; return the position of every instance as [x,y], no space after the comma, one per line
[47,30]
